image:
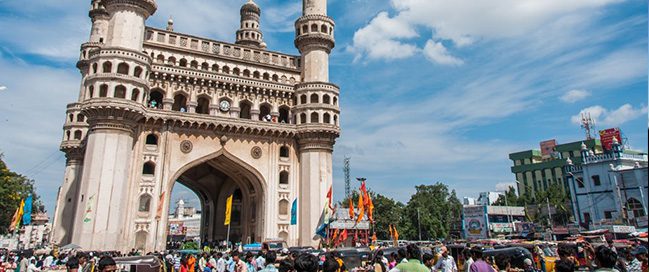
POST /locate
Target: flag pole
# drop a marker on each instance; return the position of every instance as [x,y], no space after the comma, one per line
[227,238]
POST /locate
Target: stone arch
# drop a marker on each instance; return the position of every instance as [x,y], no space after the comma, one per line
[94,68]
[326,118]
[283,208]
[140,239]
[182,62]
[303,118]
[203,104]
[323,29]
[256,75]
[122,68]
[135,94]
[205,66]
[335,100]
[91,91]
[226,69]
[314,28]
[120,91]
[303,99]
[335,119]
[245,107]
[180,102]
[284,152]
[144,203]
[266,76]
[103,90]
[155,98]
[326,99]
[215,67]
[171,60]
[137,72]
[264,110]
[283,178]
[151,139]
[107,67]
[314,98]
[275,77]
[77,134]
[236,71]
[305,29]
[284,114]
[315,118]
[160,58]
[81,118]
[193,64]
[148,168]
[246,73]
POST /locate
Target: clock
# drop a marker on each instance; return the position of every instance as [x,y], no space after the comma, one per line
[224,105]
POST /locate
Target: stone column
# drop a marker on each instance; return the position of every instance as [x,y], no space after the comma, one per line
[64,214]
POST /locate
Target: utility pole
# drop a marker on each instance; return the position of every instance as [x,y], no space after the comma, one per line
[348,192]
[419,224]
[549,213]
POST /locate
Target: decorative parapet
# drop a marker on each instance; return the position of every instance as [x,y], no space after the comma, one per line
[159,37]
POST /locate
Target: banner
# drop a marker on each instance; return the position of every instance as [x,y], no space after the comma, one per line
[475,225]
[15,222]
[158,212]
[361,208]
[27,212]
[228,210]
[294,212]
[88,212]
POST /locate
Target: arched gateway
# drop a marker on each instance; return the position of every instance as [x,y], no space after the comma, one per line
[157,108]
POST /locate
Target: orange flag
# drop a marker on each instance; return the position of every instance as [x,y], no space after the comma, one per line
[361,208]
[370,207]
[391,231]
[351,209]
[329,197]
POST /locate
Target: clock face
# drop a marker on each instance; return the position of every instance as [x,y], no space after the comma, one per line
[224,105]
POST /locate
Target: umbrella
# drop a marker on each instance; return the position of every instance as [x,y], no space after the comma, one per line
[70,246]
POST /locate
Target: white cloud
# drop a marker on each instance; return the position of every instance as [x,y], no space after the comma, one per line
[436,52]
[606,117]
[466,21]
[2,87]
[379,39]
[575,95]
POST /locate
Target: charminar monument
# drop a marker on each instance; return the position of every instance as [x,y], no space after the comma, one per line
[157,107]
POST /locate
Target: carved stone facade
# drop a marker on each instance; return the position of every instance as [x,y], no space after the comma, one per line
[158,107]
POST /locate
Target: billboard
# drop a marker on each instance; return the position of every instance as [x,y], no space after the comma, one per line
[547,147]
[475,225]
[606,137]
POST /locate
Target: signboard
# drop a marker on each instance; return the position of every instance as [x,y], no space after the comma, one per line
[176,229]
[606,137]
[475,226]
[501,227]
[623,229]
[349,224]
[547,147]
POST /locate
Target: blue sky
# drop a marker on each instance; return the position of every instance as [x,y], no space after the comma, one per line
[431,90]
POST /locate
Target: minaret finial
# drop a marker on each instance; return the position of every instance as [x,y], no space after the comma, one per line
[249,33]
[170,24]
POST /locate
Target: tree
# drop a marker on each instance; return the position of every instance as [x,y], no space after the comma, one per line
[387,212]
[428,209]
[512,198]
[13,189]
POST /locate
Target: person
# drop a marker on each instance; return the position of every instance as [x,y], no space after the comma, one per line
[184,267]
[445,263]
[261,260]
[237,264]
[286,265]
[392,260]
[306,263]
[220,262]
[413,264]
[330,264]
[202,261]
[403,258]
[72,265]
[622,256]
[429,261]
[468,259]
[84,264]
[169,263]
[605,259]
[250,262]
[270,259]
[107,264]
[639,261]
[378,264]
[24,262]
[479,265]
[528,266]
[32,266]
[503,262]
[540,257]
[191,263]
[564,266]
[48,261]
[611,246]
[9,265]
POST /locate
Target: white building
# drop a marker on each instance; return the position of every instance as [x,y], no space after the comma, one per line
[609,188]
[488,198]
[185,222]
[468,201]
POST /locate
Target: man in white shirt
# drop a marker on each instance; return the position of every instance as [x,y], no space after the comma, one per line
[220,263]
[446,263]
[32,266]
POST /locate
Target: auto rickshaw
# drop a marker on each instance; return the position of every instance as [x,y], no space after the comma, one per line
[139,264]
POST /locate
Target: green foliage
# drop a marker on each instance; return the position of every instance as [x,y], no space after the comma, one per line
[190,245]
[13,188]
[536,205]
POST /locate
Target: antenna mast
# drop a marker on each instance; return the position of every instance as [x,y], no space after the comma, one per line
[587,124]
[346,171]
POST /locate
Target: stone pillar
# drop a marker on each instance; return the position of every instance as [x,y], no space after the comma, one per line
[64,213]
[100,222]
[126,24]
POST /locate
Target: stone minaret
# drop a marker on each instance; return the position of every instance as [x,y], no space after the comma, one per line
[249,33]
[112,98]
[317,114]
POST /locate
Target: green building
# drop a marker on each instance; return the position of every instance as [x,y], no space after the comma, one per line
[536,169]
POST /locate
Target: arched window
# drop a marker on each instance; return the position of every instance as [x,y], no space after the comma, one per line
[283,178]
[634,206]
[236,71]
[264,112]
[336,120]
[335,100]
[140,240]
[180,103]
[256,75]
[283,207]
[145,203]
[171,61]
[246,73]
[67,135]
[160,58]
[137,72]
[203,106]
[226,69]
[215,68]
[314,99]
[152,139]
[266,76]
[81,118]
[70,117]
[303,99]
[155,99]
[245,110]
[106,67]
[314,117]
[205,66]
[122,68]
[314,28]
[323,29]
[194,64]
[182,62]
[303,118]
[91,92]
[326,118]
[283,114]
[135,95]
[275,78]
[283,151]
[148,168]
[305,29]
[237,195]
[94,68]
[120,91]
[103,90]
[77,134]
[326,99]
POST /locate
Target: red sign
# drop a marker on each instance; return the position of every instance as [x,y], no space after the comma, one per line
[547,147]
[606,137]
